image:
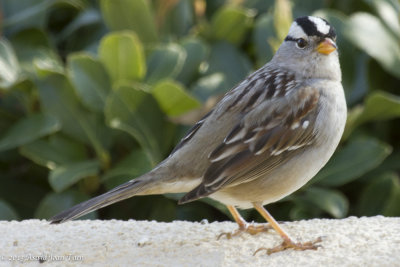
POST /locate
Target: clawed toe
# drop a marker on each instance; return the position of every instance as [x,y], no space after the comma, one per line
[288,244]
[228,235]
[249,228]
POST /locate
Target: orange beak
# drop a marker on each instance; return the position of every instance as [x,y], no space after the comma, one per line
[326,47]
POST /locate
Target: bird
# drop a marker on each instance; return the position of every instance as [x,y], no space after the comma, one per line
[266,138]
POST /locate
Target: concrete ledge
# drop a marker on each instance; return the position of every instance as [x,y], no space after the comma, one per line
[353,241]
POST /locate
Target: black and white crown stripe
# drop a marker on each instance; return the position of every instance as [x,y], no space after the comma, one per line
[310,26]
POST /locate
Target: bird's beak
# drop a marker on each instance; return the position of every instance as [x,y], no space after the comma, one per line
[327,46]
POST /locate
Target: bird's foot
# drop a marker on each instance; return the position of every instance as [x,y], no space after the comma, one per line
[252,229]
[289,244]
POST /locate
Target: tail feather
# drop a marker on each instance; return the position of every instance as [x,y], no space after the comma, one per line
[119,193]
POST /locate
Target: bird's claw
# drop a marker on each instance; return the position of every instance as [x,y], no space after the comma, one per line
[288,244]
[252,229]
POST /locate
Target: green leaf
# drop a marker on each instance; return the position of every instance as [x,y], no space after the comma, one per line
[381,196]
[35,53]
[352,117]
[210,85]
[282,19]
[392,205]
[122,55]
[47,63]
[350,162]
[231,24]
[55,151]
[384,46]
[57,97]
[90,79]
[26,42]
[133,165]
[9,67]
[389,13]
[29,44]
[54,203]
[173,99]
[7,213]
[82,32]
[24,14]
[391,163]
[228,60]
[136,112]
[328,200]
[135,15]
[65,176]
[86,18]
[30,13]
[263,30]
[28,129]
[196,52]
[378,106]
[175,18]
[165,62]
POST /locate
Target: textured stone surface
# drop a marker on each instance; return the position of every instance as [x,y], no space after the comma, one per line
[373,241]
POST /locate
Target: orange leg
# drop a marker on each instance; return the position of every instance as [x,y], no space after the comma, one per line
[287,240]
[243,225]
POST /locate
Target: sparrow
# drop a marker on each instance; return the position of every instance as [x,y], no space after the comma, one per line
[266,138]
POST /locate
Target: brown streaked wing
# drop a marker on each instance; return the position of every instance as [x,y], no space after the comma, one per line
[286,128]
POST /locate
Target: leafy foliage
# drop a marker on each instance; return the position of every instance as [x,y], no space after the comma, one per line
[95,94]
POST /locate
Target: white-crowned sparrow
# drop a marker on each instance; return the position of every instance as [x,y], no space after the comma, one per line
[265,139]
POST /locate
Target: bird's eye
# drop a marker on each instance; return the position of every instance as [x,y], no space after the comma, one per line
[301,43]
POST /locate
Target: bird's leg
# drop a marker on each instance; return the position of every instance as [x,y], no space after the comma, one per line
[243,225]
[287,240]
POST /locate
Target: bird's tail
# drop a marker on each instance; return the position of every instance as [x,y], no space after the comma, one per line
[124,191]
